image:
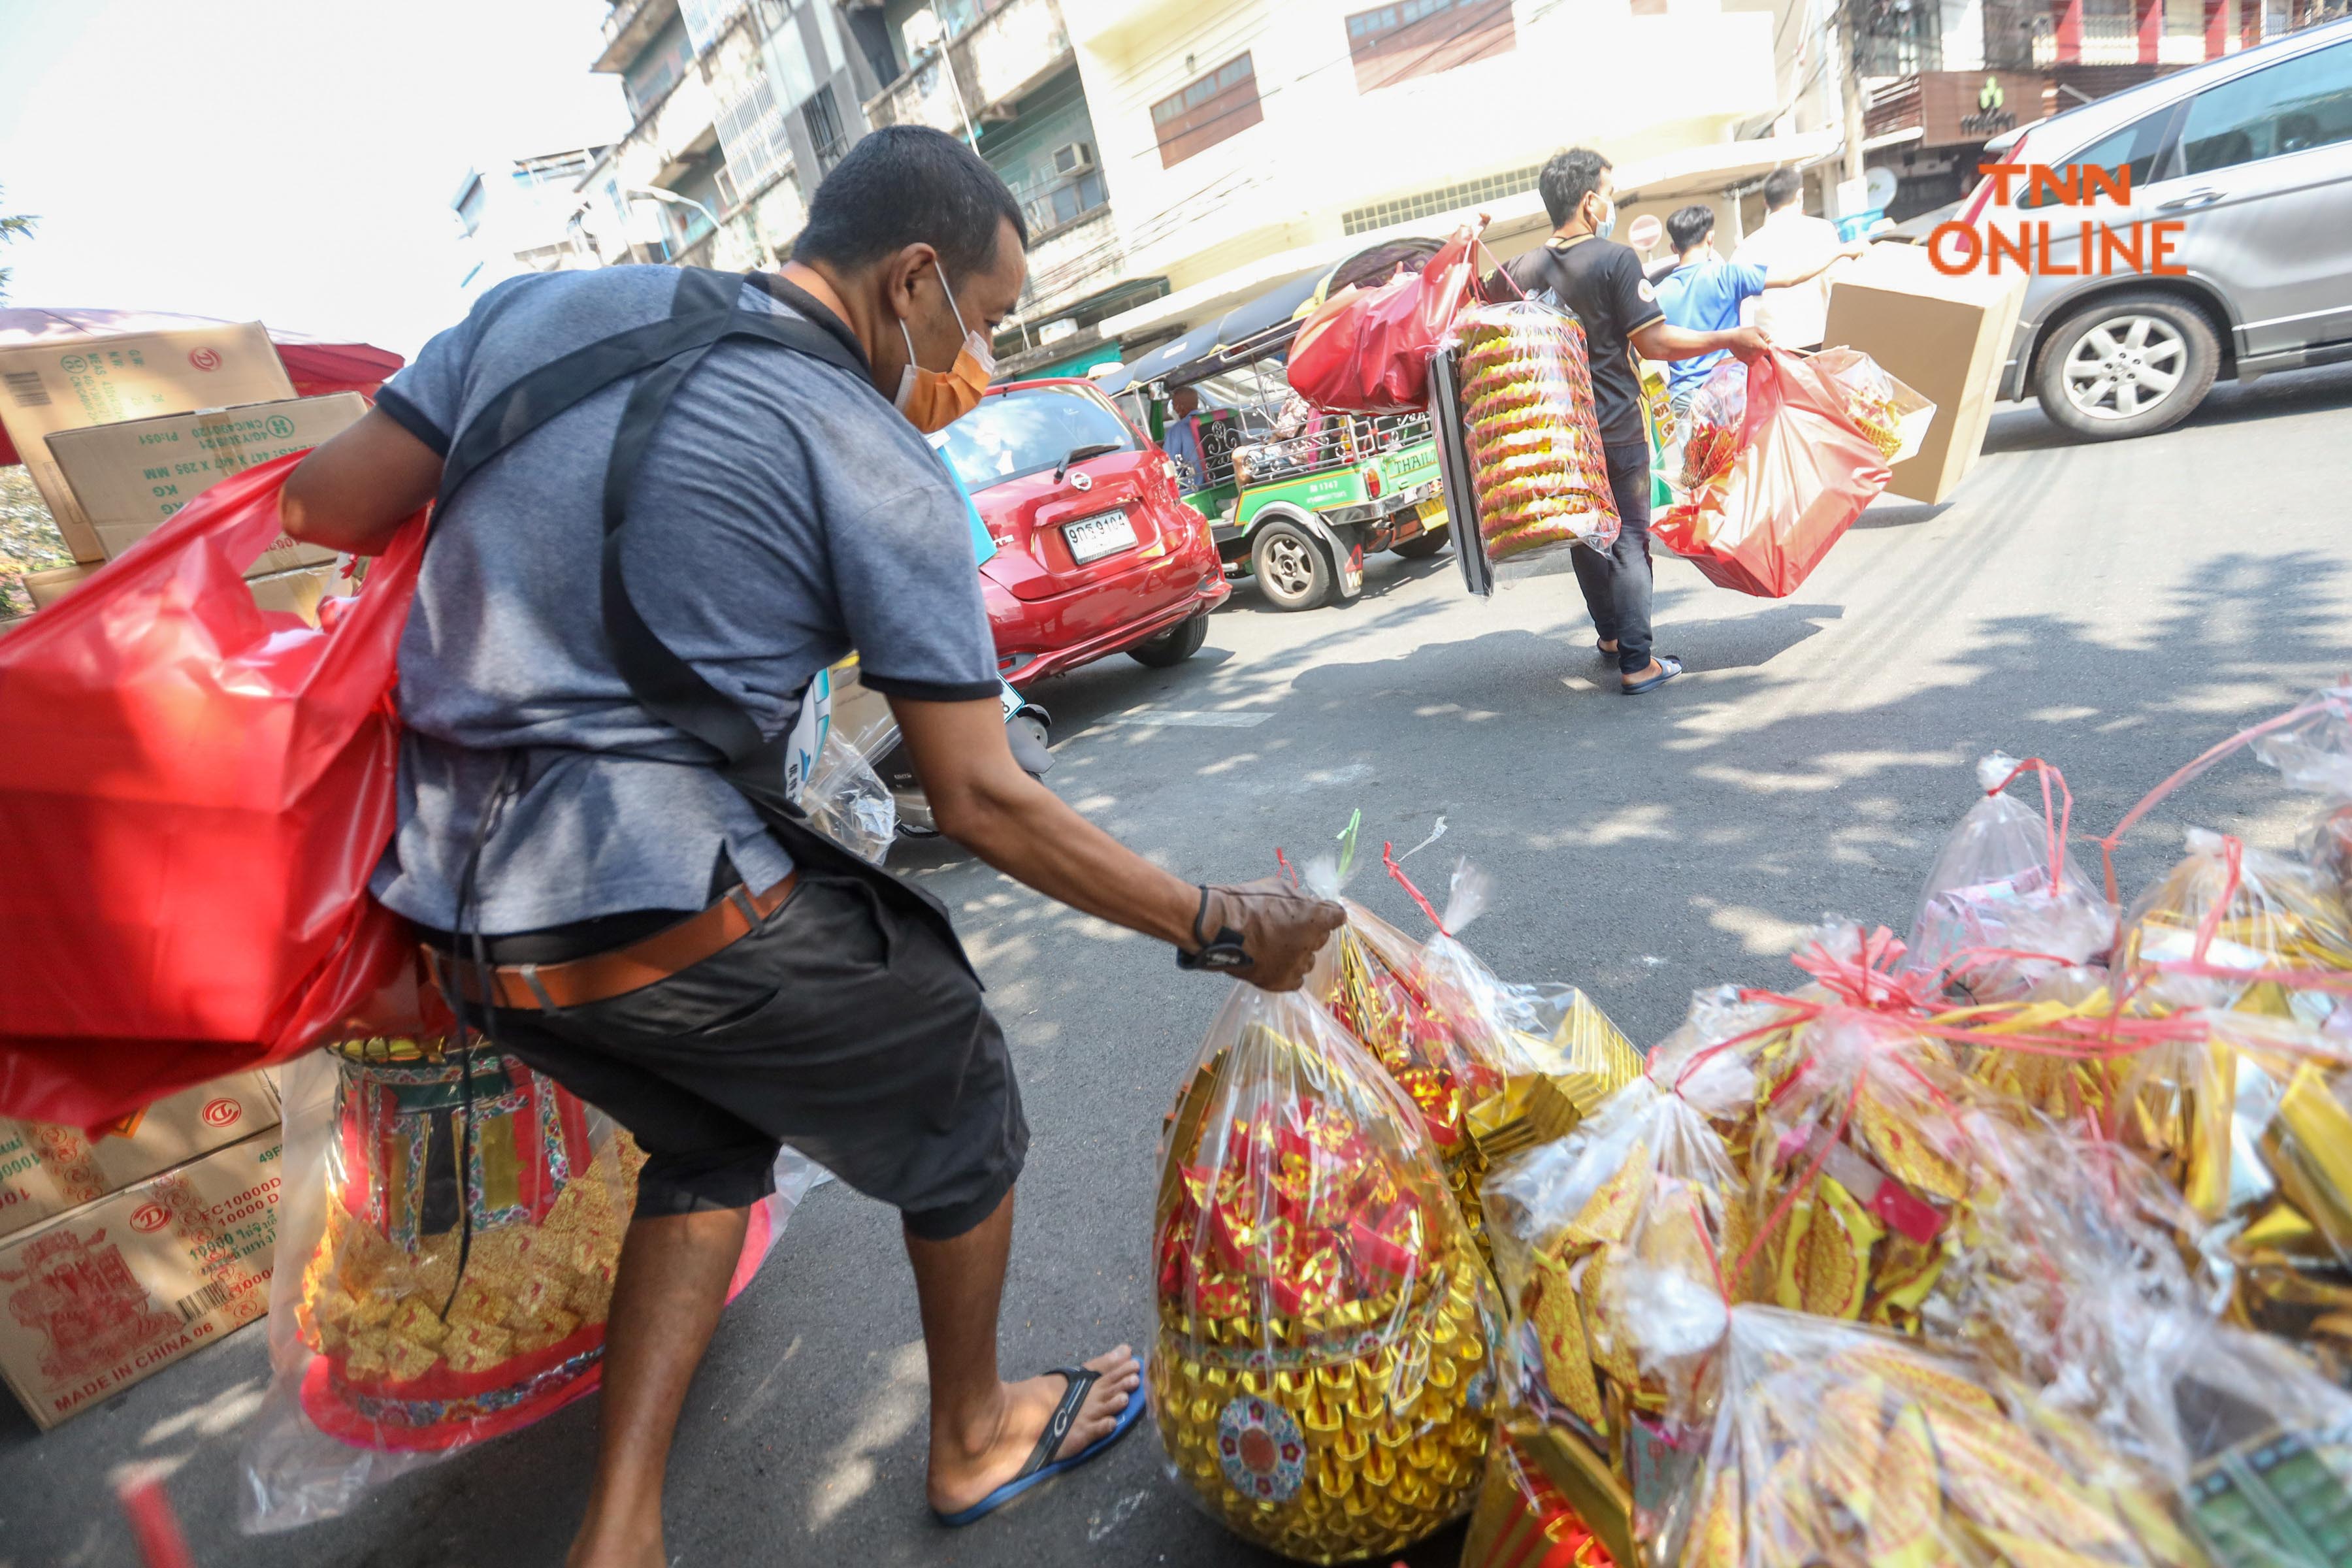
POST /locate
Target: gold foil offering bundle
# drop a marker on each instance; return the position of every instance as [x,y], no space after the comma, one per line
[1615,1246]
[461,1285]
[1834,1444]
[1536,459]
[1713,430]
[2250,1116]
[1323,1377]
[1893,416]
[2234,927]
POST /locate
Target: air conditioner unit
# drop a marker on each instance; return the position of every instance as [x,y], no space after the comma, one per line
[1073,158]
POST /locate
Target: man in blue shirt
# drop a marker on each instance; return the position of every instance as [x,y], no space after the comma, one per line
[1182,439]
[668,499]
[1704,292]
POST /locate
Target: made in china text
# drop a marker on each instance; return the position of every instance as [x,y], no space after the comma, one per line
[2102,250]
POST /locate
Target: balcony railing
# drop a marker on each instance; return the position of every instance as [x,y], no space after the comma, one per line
[978,74]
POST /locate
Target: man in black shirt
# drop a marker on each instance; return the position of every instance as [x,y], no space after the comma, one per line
[1603,282]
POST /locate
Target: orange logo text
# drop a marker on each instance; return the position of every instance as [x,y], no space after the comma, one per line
[2102,250]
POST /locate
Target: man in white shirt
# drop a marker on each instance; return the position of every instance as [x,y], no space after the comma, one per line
[1789,242]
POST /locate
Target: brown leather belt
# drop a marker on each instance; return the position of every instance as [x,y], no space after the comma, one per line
[601,976]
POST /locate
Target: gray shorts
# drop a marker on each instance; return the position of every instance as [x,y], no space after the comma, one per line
[852,1032]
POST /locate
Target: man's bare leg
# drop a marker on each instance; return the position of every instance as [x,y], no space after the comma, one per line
[666,1301]
[983,1428]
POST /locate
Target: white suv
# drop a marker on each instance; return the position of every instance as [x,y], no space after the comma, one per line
[2253,152]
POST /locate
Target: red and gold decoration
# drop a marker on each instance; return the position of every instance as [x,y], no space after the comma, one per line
[1324,1373]
[461,1285]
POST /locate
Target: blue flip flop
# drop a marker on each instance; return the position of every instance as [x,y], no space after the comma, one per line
[1041,1465]
[1668,668]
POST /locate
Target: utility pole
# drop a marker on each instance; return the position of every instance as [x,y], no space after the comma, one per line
[1847,41]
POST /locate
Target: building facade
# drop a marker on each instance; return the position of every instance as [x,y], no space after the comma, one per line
[738,106]
[513,215]
[1939,77]
[1237,136]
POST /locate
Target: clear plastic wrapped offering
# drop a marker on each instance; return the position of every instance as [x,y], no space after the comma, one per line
[2313,754]
[847,802]
[1547,1055]
[2250,1117]
[1323,1378]
[1833,1443]
[2235,927]
[445,1262]
[1615,1245]
[1536,463]
[1892,415]
[2006,914]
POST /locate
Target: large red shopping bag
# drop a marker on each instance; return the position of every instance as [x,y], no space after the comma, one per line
[1763,494]
[1366,350]
[193,793]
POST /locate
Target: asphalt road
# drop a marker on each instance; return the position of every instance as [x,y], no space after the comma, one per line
[2114,608]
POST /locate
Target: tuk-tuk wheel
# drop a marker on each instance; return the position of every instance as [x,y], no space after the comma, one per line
[1421,546]
[1290,566]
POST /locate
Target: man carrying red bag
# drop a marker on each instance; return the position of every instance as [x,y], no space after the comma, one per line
[666,499]
[1603,283]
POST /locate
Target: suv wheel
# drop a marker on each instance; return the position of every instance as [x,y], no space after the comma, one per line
[2128,365]
[1291,568]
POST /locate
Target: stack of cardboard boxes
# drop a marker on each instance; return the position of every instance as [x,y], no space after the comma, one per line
[121,432]
[127,1247]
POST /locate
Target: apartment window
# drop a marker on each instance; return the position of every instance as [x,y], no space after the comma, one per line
[656,71]
[470,206]
[1395,43]
[823,119]
[706,19]
[752,130]
[1064,204]
[1204,112]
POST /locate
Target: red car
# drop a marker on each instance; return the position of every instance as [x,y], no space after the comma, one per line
[1095,552]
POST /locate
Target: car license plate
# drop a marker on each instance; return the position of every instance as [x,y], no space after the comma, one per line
[1105,533]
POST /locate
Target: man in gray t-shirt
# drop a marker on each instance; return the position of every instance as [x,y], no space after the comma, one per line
[659,935]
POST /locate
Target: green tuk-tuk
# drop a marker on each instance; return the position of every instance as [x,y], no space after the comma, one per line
[1295,497]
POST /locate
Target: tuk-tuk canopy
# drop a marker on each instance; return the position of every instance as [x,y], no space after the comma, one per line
[1195,357]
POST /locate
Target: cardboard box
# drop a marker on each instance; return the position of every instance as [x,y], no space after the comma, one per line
[113,1292]
[45,1170]
[73,382]
[128,479]
[1947,337]
[47,587]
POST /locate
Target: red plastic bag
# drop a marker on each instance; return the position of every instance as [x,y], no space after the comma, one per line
[193,793]
[1366,350]
[1801,470]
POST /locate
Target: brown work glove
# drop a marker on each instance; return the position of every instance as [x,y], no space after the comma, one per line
[1262,932]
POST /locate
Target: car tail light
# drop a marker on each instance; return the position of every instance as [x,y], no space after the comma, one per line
[1372,483]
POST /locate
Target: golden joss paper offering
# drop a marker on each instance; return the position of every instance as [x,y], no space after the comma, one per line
[1712,429]
[1323,1377]
[2234,927]
[1837,1444]
[413,1352]
[2250,1119]
[1893,416]
[1616,1244]
[1536,459]
[1523,1520]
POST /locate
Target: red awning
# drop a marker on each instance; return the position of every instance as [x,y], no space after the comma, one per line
[316,368]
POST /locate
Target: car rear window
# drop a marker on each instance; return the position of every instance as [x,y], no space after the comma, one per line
[1027,431]
[2291,106]
[2136,146]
